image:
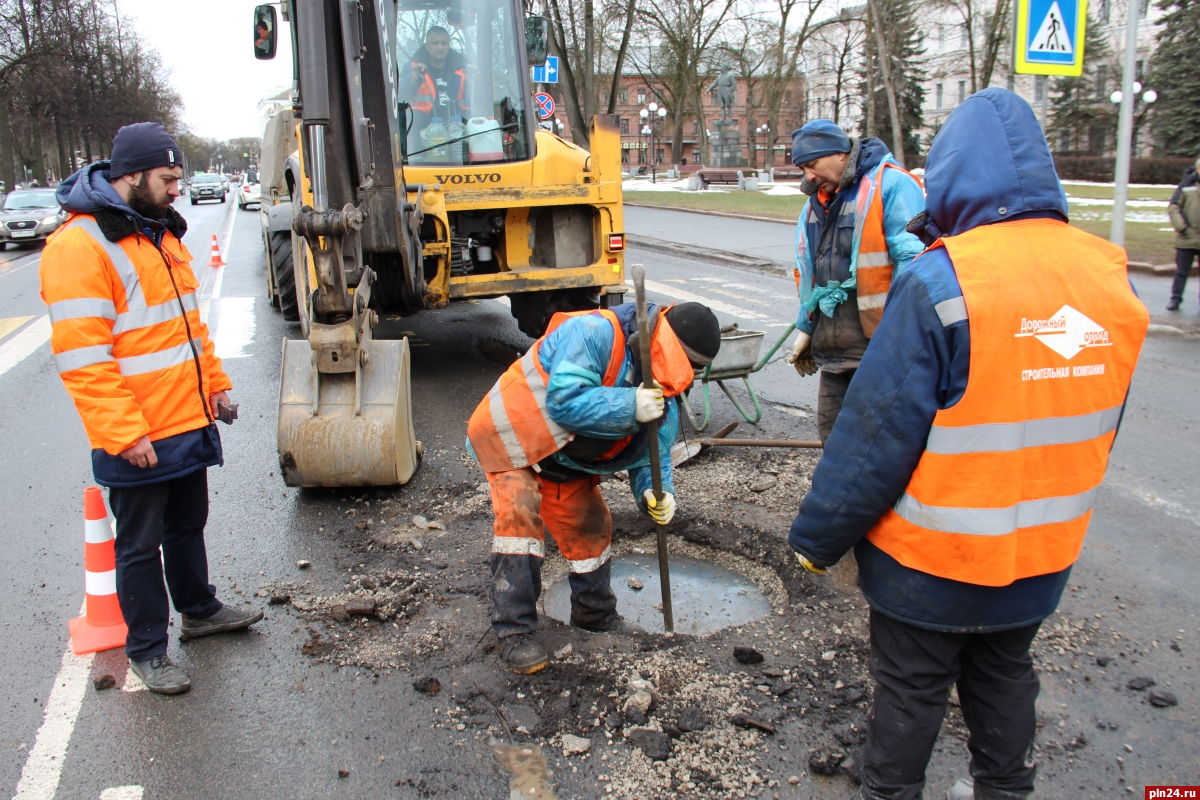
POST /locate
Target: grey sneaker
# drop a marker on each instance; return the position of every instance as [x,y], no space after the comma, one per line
[227,619]
[523,654]
[161,676]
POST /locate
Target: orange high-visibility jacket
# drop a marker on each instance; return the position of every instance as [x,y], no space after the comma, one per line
[511,428]
[873,266]
[121,334]
[1006,485]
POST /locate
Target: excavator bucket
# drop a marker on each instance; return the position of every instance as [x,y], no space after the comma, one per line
[350,428]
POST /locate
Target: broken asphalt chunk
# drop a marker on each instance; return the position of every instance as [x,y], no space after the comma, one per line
[427,685]
[1162,699]
[360,607]
[692,719]
[108,681]
[575,745]
[1138,684]
[747,655]
[654,744]
[634,583]
[825,762]
[764,483]
[279,600]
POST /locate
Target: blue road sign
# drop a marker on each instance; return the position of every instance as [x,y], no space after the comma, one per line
[548,72]
[545,105]
[1050,36]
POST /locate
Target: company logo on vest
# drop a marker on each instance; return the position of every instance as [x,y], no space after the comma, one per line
[1067,332]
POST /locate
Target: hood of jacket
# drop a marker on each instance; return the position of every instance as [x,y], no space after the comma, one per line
[88,191]
[990,163]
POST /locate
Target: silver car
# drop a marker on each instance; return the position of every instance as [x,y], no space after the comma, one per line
[207,186]
[29,215]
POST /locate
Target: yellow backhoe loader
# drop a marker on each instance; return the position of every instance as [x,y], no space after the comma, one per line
[421,178]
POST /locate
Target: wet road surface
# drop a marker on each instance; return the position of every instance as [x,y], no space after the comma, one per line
[264,720]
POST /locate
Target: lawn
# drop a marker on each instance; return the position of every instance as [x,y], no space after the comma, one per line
[1144,238]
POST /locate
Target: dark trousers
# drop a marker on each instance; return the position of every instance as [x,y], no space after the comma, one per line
[914,669]
[830,396]
[1183,267]
[170,515]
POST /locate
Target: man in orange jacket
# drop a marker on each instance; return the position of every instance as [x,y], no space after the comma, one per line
[136,358]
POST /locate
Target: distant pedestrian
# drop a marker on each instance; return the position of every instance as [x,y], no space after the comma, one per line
[137,360]
[850,242]
[1184,208]
[971,449]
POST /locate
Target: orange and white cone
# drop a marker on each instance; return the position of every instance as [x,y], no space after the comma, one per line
[215,259]
[102,627]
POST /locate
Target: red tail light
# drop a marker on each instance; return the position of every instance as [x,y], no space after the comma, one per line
[616,242]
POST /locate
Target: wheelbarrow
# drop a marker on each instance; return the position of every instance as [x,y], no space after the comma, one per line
[737,358]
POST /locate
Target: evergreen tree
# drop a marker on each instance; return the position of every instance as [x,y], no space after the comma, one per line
[1175,75]
[1082,118]
[899,25]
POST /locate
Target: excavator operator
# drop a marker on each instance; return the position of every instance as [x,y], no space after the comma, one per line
[437,85]
[568,411]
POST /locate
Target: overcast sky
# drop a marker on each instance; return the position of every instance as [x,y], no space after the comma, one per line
[208,47]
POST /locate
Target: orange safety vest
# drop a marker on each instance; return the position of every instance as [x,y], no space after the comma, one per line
[427,92]
[511,428]
[874,266]
[1006,485]
[119,336]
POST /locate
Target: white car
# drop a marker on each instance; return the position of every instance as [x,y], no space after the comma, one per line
[249,194]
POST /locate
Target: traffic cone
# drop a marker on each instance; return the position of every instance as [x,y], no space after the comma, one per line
[215,260]
[102,627]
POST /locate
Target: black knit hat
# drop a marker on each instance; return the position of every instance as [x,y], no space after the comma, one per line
[697,329]
[142,146]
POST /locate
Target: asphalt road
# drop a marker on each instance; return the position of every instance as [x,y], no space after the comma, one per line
[264,721]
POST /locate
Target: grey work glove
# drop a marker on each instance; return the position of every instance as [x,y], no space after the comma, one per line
[801,355]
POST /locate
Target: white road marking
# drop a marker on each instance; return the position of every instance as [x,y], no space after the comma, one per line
[132,682]
[716,305]
[214,276]
[43,767]
[123,793]
[235,328]
[15,350]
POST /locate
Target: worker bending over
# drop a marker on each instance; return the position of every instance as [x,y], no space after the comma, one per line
[568,411]
[850,240]
[971,446]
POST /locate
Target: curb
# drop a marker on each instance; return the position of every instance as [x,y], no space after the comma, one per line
[675,248]
[708,213]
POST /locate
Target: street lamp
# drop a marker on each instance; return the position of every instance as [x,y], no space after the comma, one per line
[650,115]
[762,130]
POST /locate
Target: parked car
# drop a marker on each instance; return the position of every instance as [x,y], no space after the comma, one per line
[29,215]
[249,194]
[208,186]
[225,183]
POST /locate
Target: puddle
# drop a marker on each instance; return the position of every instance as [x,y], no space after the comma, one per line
[706,597]
[529,778]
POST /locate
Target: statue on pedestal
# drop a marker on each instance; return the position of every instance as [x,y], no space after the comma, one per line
[726,86]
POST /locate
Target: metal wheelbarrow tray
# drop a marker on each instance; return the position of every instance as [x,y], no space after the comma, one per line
[737,358]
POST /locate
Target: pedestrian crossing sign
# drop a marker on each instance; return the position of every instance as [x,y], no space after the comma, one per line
[1049,38]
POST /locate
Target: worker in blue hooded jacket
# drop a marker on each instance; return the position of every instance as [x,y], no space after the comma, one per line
[970,447]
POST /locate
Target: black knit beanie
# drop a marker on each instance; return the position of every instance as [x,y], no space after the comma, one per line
[697,329]
[143,146]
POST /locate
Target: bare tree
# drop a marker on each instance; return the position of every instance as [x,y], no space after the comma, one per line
[986,28]
[885,66]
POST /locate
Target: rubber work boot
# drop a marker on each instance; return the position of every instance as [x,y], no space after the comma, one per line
[161,676]
[523,654]
[613,623]
[227,619]
[1173,305]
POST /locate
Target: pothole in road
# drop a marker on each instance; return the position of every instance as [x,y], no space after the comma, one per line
[708,592]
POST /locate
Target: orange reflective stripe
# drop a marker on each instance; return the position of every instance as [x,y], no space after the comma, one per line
[1006,485]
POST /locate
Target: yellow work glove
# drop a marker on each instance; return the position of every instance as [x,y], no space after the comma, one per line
[648,404]
[801,355]
[659,511]
[810,566]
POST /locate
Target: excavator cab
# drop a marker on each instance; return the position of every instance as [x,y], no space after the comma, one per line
[421,178]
